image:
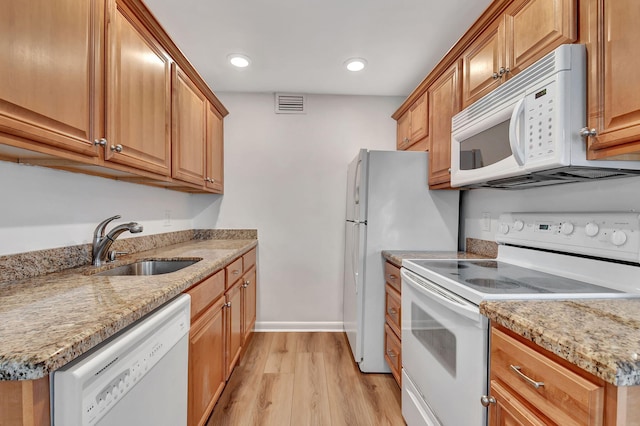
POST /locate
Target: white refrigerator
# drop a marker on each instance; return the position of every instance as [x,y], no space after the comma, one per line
[389,207]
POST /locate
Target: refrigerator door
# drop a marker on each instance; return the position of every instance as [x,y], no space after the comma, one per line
[353,294]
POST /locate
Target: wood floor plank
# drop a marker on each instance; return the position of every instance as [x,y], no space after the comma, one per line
[241,390]
[346,394]
[383,396]
[272,406]
[282,354]
[310,393]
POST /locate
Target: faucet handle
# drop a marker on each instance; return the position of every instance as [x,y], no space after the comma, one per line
[99,231]
[113,254]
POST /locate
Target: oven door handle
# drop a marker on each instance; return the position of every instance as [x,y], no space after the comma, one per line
[444,297]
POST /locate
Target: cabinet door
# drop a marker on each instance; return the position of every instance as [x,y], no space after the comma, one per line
[138,95]
[481,64]
[509,411]
[536,27]
[48,48]
[444,103]
[233,318]
[614,80]
[215,151]
[404,127]
[188,129]
[248,304]
[419,119]
[206,363]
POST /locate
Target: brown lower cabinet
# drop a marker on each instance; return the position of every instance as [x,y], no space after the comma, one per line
[222,321]
[392,326]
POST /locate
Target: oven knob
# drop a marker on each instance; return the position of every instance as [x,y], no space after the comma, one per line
[591,229]
[518,225]
[504,228]
[566,228]
[618,238]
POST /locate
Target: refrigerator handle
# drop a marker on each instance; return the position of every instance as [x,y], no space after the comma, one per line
[356,187]
[354,254]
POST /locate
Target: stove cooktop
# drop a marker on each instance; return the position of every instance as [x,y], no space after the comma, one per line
[478,280]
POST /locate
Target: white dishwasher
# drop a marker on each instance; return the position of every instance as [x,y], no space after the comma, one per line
[137,377]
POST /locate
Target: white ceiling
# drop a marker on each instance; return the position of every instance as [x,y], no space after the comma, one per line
[299,46]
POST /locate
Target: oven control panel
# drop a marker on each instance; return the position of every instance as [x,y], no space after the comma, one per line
[612,235]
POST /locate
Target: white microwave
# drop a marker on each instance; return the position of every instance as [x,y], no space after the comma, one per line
[527,132]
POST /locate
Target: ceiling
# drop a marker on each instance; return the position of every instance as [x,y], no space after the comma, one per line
[300,46]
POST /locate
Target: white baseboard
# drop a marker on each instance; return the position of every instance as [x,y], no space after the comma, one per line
[272,326]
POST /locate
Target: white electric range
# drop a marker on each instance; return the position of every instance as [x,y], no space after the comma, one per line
[445,339]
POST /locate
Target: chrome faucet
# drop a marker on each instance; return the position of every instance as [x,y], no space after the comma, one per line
[101,243]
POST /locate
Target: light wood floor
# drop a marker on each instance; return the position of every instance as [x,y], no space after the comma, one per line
[304,379]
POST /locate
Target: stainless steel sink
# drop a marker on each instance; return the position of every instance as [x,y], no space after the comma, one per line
[149,267]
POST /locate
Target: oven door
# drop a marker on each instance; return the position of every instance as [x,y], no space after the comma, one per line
[444,354]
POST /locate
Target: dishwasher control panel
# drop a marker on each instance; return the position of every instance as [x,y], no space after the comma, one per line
[102,378]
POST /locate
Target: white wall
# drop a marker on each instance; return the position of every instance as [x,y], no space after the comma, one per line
[606,195]
[286,177]
[45,208]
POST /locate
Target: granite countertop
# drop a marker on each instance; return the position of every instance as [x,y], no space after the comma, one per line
[599,336]
[49,320]
[396,256]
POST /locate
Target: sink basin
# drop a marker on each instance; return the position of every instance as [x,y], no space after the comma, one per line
[149,267]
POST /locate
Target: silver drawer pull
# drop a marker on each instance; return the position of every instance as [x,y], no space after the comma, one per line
[392,311]
[391,353]
[392,277]
[524,377]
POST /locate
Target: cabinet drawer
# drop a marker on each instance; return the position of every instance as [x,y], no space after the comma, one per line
[203,294]
[234,271]
[392,275]
[392,309]
[248,260]
[565,397]
[393,352]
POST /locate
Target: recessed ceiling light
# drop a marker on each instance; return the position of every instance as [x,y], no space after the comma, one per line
[238,60]
[355,64]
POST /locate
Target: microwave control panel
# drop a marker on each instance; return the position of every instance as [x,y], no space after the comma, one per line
[540,125]
[611,235]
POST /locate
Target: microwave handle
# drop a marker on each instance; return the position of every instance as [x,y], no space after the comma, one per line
[514,142]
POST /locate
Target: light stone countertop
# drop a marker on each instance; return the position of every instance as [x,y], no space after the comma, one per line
[599,336]
[49,320]
[396,256]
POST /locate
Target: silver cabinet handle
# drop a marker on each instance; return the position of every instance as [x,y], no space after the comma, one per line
[101,142]
[391,353]
[495,76]
[526,378]
[116,148]
[504,70]
[486,400]
[235,272]
[585,132]
[392,277]
[227,305]
[246,284]
[392,311]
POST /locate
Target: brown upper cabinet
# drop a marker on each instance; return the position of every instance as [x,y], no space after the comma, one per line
[526,31]
[138,94]
[509,36]
[197,136]
[91,91]
[611,35]
[189,129]
[444,99]
[47,92]
[413,126]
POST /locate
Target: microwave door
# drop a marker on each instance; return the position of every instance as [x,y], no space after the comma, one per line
[481,150]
